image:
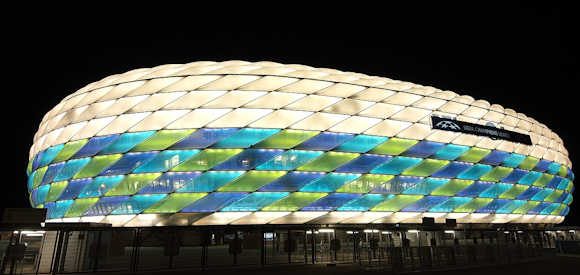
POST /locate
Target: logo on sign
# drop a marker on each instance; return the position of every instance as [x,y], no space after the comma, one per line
[446,124]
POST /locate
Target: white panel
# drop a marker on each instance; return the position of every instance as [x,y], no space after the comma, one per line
[453,107]
[388,128]
[475,112]
[538,151]
[93,127]
[415,131]
[442,136]
[146,220]
[153,86]
[229,82]
[122,123]
[50,139]
[373,94]
[194,99]
[53,122]
[341,90]
[312,103]
[234,99]
[76,113]
[494,116]
[522,149]
[118,220]
[467,140]
[94,109]
[334,217]
[158,120]
[305,86]
[274,100]
[298,217]
[488,143]
[381,110]
[181,219]
[68,132]
[221,218]
[348,106]
[95,219]
[367,217]
[121,105]
[239,118]
[190,83]
[93,96]
[155,102]
[355,125]
[319,121]
[71,102]
[280,119]
[268,83]
[429,103]
[410,114]
[401,98]
[197,118]
[506,146]
[260,217]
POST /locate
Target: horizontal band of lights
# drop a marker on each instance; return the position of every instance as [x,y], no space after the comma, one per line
[251,169]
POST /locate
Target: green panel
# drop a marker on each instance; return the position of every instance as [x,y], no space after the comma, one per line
[174,202]
[425,168]
[365,184]
[97,165]
[80,206]
[552,197]
[286,139]
[563,171]
[132,183]
[162,140]
[497,173]
[328,162]
[529,163]
[474,155]
[513,192]
[526,207]
[451,188]
[294,201]
[69,150]
[543,180]
[473,205]
[252,181]
[569,188]
[56,189]
[206,159]
[393,146]
[29,167]
[397,203]
[558,210]
[38,176]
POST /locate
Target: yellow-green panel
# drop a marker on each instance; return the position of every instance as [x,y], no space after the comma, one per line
[397,203]
[529,163]
[251,181]
[526,207]
[473,205]
[365,184]
[393,146]
[558,210]
[294,201]
[80,206]
[286,139]
[162,140]
[328,161]
[425,168]
[563,171]
[206,159]
[513,192]
[69,149]
[174,202]
[38,176]
[97,165]
[555,195]
[474,155]
[497,173]
[55,190]
[451,188]
[543,180]
[132,183]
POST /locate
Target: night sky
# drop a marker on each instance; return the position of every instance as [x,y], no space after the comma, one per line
[520,56]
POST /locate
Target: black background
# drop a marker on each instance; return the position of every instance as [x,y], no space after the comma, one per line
[519,55]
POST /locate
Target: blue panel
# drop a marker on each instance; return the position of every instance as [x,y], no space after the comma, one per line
[292,181]
[127,163]
[59,209]
[325,141]
[207,182]
[169,182]
[30,181]
[530,178]
[565,211]
[49,206]
[424,204]
[426,186]
[553,168]
[570,174]
[397,165]
[540,196]
[365,202]
[496,190]
[203,138]
[397,185]
[289,160]
[105,205]
[475,172]
[213,202]
[542,165]
[49,155]
[450,205]
[539,208]
[71,168]
[361,144]
[36,160]
[561,186]
[493,206]
[554,182]
[126,142]
[451,152]
[562,197]
[515,176]
[245,138]
[452,169]
[495,157]
[511,206]
[137,203]
[41,193]
[530,192]
[248,159]
[51,172]
[513,160]
[363,163]
[475,189]
[424,149]
[94,145]
[330,182]
[255,201]
[74,188]
[166,160]
[550,209]
[331,202]
[33,197]
[100,186]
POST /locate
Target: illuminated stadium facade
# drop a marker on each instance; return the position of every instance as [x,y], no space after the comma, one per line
[235,142]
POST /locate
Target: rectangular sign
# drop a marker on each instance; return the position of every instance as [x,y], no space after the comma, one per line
[492,132]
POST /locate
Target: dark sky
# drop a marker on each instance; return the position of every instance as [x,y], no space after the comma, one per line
[520,56]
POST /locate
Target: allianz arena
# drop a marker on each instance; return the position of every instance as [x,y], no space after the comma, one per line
[219,143]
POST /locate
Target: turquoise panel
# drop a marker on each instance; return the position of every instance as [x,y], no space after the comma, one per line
[165,161]
[450,152]
[71,168]
[245,138]
[540,196]
[530,178]
[126,142]
[450,205]
[100,186]
[513,160]
[365,202]
[41,193]
[289,160]
[137,203]
[210,181]
[361,144]
[553,168]
[495,190]
[330,182]
[510,207]
[426,186]
[255,201]
[60,209]
[396,166]
[475,172]
[49,155]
